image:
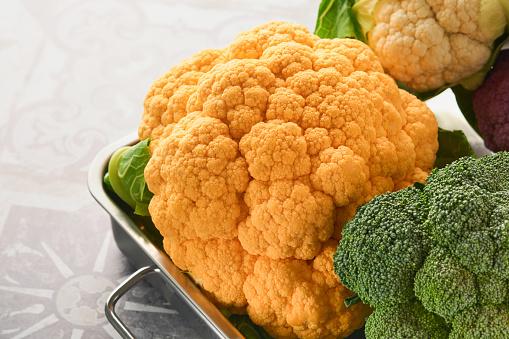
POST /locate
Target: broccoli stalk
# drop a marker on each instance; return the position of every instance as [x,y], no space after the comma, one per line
[434,258]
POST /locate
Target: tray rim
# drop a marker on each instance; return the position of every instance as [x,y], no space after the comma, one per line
[196,300]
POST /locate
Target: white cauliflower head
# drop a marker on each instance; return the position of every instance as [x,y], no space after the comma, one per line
[427,44]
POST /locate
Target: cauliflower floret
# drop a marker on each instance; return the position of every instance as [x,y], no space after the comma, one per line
[235,92]
[288,219]
[427,44]
[198,177]
[251,44]
[421,127]
[295,297]
[340,173]
[166,101]
[283,135]
[217,265]
[276,150]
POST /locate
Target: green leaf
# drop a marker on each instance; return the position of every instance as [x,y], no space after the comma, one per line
[248,331]
[107,181]
[419,185]
[226,312]
[131,172]
[246,327]
[126,176]
[337,20]
[115,180]
[452,145]
[352,300]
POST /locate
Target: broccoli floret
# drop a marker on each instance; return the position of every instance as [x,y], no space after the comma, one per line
[444,286]
[475,250]
[501,264]
[455,210]
[445,244]
[481,322]
[408,320]
[492,290]
[490,173]
[388,227]
[499,232]
[473,224]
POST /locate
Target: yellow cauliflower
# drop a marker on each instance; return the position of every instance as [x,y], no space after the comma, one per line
[260,152]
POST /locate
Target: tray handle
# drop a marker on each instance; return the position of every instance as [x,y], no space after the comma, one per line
[112,317]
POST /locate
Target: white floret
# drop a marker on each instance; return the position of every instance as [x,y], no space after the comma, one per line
[427,44]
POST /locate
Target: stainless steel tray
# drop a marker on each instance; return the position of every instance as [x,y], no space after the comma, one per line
[145,253]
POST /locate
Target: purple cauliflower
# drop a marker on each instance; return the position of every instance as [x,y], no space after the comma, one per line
[491,105]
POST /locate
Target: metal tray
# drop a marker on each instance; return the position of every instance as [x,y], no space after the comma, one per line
[142,250]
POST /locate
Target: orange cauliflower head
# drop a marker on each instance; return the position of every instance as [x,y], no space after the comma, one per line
[261,152]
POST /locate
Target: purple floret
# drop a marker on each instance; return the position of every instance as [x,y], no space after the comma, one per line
[491,105]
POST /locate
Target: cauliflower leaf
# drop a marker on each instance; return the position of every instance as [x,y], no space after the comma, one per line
[126,176]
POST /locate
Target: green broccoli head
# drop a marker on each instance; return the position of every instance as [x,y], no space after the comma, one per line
[481,321]
[388,227]
[407,320]
[445,243]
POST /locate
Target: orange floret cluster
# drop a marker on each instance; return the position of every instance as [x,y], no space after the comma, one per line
[261,152]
